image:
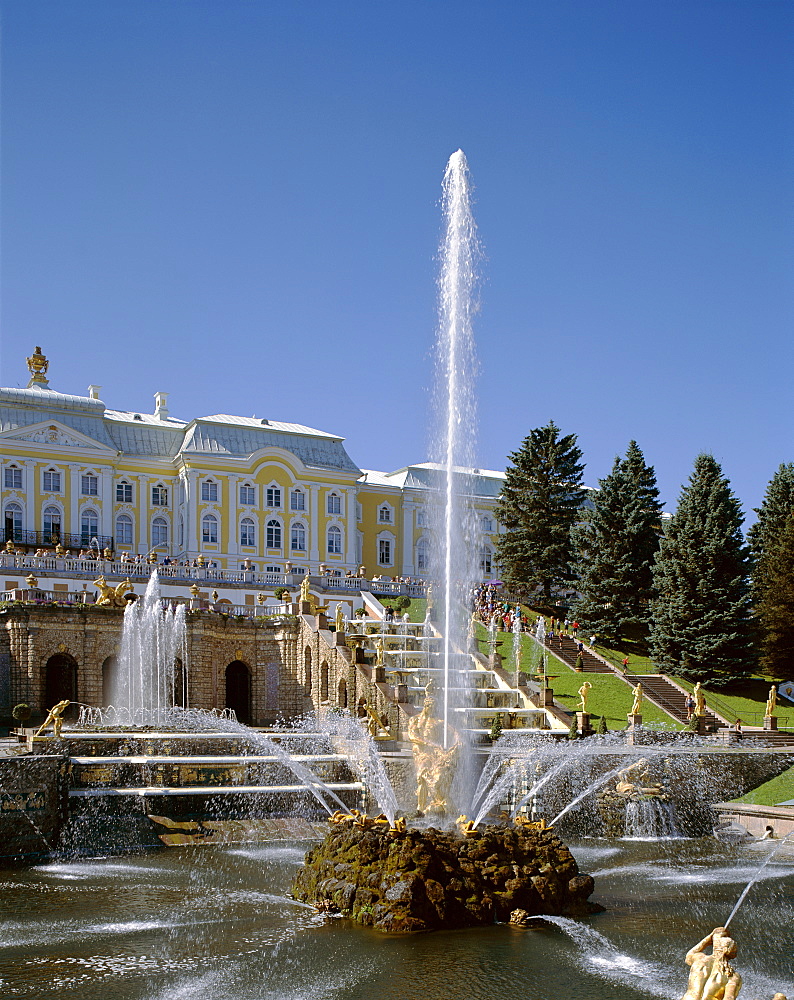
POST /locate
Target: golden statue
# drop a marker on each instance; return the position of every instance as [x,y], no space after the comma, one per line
[584,691]
[112,597]
[712,977]
[37,366]
[637,705]
[640,785]
[379,648]
[10,547]
[339,619]
[54,718]
[700,700]
[305,596]
[435,764]
[771,702]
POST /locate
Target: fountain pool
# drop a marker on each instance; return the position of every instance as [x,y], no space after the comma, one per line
[216,923]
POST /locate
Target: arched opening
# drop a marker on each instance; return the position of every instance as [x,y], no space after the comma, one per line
[109,667]
[238,690]
[324,681]
[307,670]
[341,693]
[361,708]
[60,682]
[180,686]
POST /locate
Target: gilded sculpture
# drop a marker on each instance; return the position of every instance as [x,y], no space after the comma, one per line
[700,699]
[435,764]
[112,597]
[37,366]
[305,596]
[584,691]
[636,707]
[54,718]
[339,619]
[771,702]
[712,977]
[635,780]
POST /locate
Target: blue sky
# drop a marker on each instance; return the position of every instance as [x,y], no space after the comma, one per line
[238,203]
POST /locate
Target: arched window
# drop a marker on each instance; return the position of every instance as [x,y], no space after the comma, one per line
[421,518]
[89,526]
[334,540]
[123,492]
[384,514]
[486,523]
[324,672]
[159,496]
[209,529]
[52,481]
[422,555]
[124,529]
[297,500]
[334,503]
[13,522]
[273,496]
[273,533]
[247,532]
[486,555]
[298,537]
[159,532]
[52,525]
[209,491]
[13,477]
[247,495]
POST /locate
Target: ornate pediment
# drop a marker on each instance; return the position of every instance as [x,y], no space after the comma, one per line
[54,434]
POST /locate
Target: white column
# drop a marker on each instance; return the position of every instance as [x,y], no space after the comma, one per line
[106,496]
[191,540]
[234,538]
[31,514]
[143,515]
[350,521]
[408,540]
[74,500]
[314,524]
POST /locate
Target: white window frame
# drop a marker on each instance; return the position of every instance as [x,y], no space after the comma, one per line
[127,521]
[248,532]
[333,503]
[55,481]
[49,510]
[14,508]
[295,496]
[209,529]
[209,491]
[273,533]
[273,492]
[162,528]
[249,492]
[159,495]
[297,533]
[124,492]
[336,532]
[389,538]
[89,484]
[423,547]
[87,533]
[388,510]
[12,477]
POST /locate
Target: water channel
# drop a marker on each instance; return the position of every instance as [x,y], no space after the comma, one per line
[217,923]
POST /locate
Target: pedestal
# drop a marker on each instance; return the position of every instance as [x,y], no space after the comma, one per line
[583,723]
[322,622]
[402,693]
[306,607]
[379,675]
[339,638]
[770,723]
[635,721]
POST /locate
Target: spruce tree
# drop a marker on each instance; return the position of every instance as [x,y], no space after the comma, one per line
[702,626]
[539,505]
[616,546]
[765,535]
[775,609]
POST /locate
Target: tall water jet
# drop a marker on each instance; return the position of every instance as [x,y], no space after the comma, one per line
[457,546]
[147,681]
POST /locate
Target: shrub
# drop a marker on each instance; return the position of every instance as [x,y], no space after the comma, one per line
[281,593]
[602,726]
[496,728]
[22,712]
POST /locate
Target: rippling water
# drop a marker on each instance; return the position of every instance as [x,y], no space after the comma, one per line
[215,923]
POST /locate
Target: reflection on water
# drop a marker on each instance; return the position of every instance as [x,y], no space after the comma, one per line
[215,923]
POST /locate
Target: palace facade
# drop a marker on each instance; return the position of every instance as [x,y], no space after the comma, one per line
[242,492]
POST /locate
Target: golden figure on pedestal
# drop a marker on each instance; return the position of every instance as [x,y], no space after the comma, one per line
[112,597]
[54,718]
[37,366]
[435,764]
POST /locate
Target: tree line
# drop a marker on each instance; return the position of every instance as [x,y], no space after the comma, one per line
[714,605]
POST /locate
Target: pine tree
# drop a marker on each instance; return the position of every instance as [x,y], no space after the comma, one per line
[775,609]
[539,505]
[773,517]
[702,626]
[616,545]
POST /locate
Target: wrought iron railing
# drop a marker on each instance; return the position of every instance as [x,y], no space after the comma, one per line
[49,539]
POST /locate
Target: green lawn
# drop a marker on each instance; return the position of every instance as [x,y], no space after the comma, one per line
[779,789]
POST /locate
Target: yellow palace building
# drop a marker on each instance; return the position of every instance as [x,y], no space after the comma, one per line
[264,495]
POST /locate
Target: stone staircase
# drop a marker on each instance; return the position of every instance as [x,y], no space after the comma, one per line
[672,699]
[565,649]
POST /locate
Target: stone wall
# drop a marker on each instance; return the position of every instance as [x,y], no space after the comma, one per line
[33,806]
[294,667]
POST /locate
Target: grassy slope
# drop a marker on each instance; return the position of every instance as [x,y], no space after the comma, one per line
[779,789]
